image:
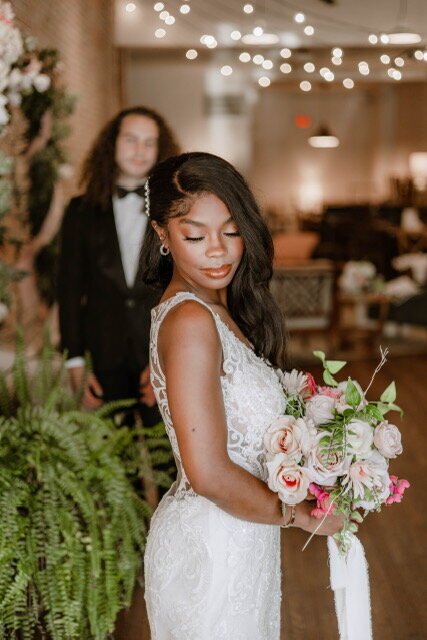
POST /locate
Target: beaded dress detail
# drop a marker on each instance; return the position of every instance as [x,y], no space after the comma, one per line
[209,575]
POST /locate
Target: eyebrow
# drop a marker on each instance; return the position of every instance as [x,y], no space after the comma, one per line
[200,224]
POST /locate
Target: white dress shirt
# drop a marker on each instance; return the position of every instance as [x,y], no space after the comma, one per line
[131,223]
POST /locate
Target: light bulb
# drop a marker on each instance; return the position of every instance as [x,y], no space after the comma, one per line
[226,70]
[299,17]
[348,83]
[264,81]
[258,59]
[399,62]
[309,67]
[160,33]
[170,20]
[248,8]
[308,30]
[185,8]
[258,31]
[384,38]
[285,68]
[385,59]
[373,39]
[245,57]
[286,53]
[337,52]
[305,85]
[191,54]
[130,7]
[235,35]
[159,6]
[336,60]
[267,64]
[419,55]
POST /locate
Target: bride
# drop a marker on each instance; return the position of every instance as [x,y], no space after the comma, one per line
[212,562]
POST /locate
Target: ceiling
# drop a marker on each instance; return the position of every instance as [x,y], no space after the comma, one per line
[345,23]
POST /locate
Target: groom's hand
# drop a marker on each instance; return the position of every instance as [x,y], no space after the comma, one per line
[146,393]
[92,392]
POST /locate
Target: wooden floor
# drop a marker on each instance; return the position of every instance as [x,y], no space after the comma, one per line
[394,540]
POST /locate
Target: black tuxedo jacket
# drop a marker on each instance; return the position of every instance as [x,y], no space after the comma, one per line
[98,312]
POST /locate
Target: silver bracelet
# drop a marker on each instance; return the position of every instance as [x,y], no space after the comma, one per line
[292,518]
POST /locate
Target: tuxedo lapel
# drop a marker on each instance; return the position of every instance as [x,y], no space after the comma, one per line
[109,257]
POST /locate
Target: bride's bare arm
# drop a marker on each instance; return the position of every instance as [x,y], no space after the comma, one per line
[191,356]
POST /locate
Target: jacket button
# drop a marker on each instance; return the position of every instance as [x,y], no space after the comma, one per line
[130,303]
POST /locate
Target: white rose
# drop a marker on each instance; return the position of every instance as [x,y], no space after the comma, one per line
[327,465]
[290,481]
[388,440]
[41,82]
[368,475]
[320,408]
[290,436]
[359,442]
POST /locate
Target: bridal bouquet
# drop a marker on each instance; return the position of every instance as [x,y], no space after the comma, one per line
[333,445]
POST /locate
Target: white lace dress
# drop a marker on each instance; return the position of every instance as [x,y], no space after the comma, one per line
[209,575]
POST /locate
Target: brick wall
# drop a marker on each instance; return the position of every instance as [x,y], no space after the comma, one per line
[82,30]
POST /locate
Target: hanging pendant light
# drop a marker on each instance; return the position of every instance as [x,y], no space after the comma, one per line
[401,34]
[323,139]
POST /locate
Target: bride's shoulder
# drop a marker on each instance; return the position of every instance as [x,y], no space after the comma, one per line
[188,320]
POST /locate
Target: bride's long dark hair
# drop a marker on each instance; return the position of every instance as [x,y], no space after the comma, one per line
[174,185]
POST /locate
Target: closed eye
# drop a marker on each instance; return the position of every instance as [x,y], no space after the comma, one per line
[194,239]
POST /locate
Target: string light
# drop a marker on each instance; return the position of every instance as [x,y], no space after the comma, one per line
[245,57]
[324,70]
[364,68]
[309,67]
[384,38]
[258,59]
[159,6]
[226,70]
[235,35]
[191,54]
[264,81]
[185,8]
[308,30]
[329,76]
[399,62]
[285,68]
[348,83]
[337,52]
[160,33]
[305,85]
[258,31]
[373,39]
[385,59]
[299,17]
[248,8]
[130,7]
[163,15]
[419,55]
[286,53]
[170,20]
[336,60]
[267,64]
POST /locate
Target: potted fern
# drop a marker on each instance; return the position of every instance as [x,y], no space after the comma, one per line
[73,528]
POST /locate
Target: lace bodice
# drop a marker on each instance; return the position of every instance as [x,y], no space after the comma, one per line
[253,396]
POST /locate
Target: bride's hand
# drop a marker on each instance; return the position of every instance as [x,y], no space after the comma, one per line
[304,520]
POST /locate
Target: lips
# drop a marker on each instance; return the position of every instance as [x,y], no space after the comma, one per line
[219,272]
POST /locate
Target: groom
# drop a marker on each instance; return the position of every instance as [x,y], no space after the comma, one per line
[104,307]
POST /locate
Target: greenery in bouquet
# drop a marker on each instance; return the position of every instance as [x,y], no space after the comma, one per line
[334,445]
[73,527]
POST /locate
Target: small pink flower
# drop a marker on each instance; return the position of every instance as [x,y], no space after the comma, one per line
[310,388]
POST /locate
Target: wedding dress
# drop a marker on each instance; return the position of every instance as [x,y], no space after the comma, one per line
[209,575]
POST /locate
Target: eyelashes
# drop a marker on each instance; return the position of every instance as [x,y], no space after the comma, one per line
[230,235]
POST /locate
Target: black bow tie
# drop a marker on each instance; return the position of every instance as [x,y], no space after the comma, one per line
[121,192]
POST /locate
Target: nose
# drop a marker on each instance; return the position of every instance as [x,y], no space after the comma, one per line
[215,247]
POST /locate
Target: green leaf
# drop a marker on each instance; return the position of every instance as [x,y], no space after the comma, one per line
[335,365]
[352,395]
[389,395]
[374,411]
[319,354]
[395,407]
[328,378]
[355,515]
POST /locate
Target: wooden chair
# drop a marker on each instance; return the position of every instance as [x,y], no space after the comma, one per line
[305,292]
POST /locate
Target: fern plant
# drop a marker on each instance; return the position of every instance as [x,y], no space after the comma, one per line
[72,527]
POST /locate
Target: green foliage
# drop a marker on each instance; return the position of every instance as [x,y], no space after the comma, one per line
[73,528]
[330,368]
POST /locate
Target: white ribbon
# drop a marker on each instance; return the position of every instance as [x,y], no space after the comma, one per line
[350,583]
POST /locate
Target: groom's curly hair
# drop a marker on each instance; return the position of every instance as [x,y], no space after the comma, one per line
[175,184]
[99,170]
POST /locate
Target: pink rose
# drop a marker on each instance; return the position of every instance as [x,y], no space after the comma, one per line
[329,391]
[388,440]
[320,408]
[289,480]
[290,436]
[325,464]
